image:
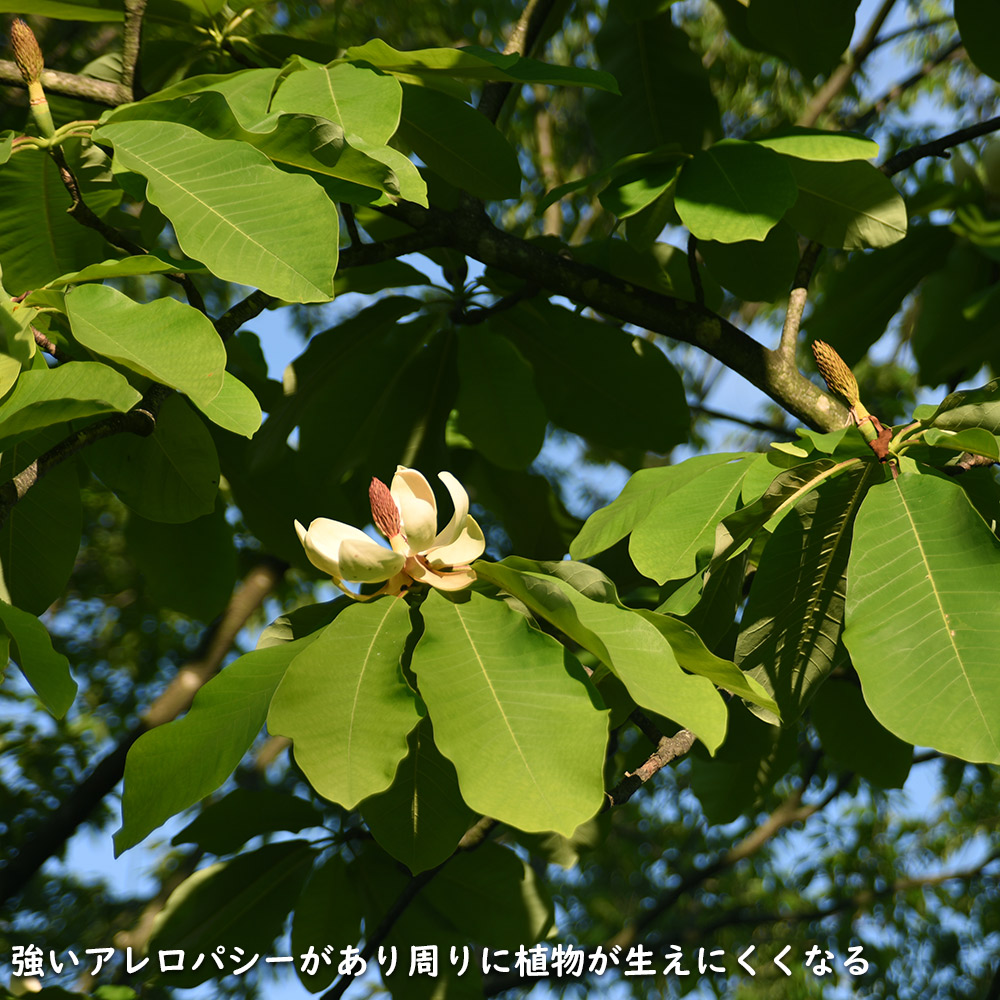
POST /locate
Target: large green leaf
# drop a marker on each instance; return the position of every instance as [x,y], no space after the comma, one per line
[68,10]
[71,391]
[38,239]
[298,141]
[235,408]
[818,144]
[460,144]
[359,99]
[628,644]
[795,612]
[665,90]
[851,205]
[173,766]
[165,340]
[514,713]
[232,209]
[979,26]
[125,268]
[349,726]
[40,539]
[861,296]
[734,191]
[172,475]
[498,405]
[923,616]
[644,490]
[596,381]
[680,528]
[688,647]
[237,904]
[31,648]
[812,37]
[473,62]
[421,817]
[965,409]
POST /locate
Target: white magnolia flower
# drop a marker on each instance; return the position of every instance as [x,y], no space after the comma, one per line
[407,515]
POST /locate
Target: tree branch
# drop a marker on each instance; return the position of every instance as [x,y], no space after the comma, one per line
[669,748]
[49,839]
[840,77]
[137,421]
[797,302]
[522,42]
[475,235]
[70,84]
[938,147]
[131,43]
[242,312]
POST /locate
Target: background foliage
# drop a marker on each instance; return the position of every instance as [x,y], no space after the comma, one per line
[566,246]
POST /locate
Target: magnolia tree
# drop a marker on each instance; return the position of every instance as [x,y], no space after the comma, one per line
[499,685]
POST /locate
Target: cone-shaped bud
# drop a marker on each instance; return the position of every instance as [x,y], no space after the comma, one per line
[385,513]
[27,54]
[838,377]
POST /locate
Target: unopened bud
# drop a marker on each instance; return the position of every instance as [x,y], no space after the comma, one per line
[385,513]
[838,377]
[27,54]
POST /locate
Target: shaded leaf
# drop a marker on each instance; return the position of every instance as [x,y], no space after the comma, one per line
[812,37]
[31,649]
[795,611]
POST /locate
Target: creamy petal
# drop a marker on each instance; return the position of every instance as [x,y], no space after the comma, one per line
[443,581]
[467,547]
[365,561]
[417,507]
[460,500]
[323,540]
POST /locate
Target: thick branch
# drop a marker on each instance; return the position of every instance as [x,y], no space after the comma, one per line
[70,84]
[60,825]
[474,235]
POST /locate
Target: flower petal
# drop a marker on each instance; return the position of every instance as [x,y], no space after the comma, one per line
[365,561]
[468,546]
[460,500]
[323,540]
[417,507]
[443,581]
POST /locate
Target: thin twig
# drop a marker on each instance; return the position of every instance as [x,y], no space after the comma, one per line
[938,147]
[840,77]
[754,425]
[668,749]
[474,316]
[911,29]
[797,302]
[347,211]
[861,121]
